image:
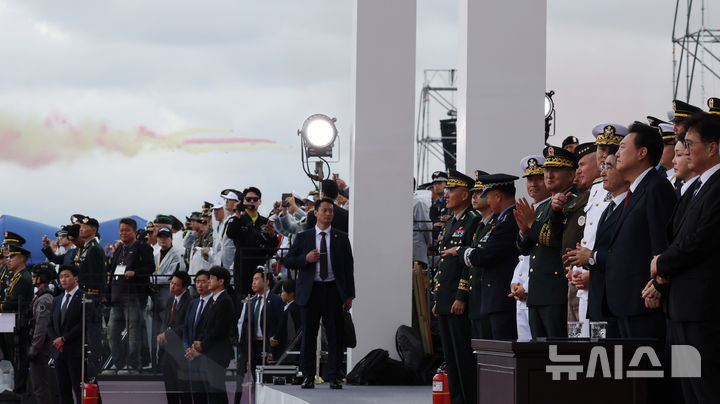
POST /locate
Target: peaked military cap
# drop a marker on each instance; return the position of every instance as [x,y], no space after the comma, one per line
[532,165]
[478,184]
[683,110]
[498,181]
[654,122]
[197,217]
[457,179]
[570,140]
[150,227]
[90,222]
[609,134]
[14,249]
[439,176]
[584,149]
[62,232]
[230,194]
[163,219]
[164,232]
[714,105]
[76,218]
[559,157]
[13,239]
[667,133]
[206,206]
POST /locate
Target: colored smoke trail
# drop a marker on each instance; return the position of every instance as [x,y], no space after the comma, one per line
[32,143]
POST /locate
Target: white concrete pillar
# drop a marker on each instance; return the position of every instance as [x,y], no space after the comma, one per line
[501,83]
[382,170]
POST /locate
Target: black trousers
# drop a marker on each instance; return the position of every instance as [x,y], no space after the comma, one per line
[256,359]
[215,382]
[481,328]
[175,377]
[461,367]
[324,304]
[503,325]
[68,378]
[197,375]
[703,336]
[548,321]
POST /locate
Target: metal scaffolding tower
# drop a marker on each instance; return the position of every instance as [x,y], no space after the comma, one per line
[438,91]
[699,45]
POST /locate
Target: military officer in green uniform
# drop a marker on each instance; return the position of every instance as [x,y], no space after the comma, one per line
[18,299]
[90,259]
[548,287]
[480,323]
[10,238]
[452,287]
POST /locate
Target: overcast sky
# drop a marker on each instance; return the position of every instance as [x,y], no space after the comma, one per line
[81,77]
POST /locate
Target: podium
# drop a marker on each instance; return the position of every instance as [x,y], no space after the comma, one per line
[513,372]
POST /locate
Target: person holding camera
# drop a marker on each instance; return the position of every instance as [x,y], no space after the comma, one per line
[255,240]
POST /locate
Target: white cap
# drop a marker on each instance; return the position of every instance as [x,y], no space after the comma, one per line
[231,195]
[219,204]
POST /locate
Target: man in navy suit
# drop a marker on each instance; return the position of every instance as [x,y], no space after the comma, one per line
[325,287]
[65,332]
[194,319]
[172,362]
[690,262]
[639,235]
[213,338]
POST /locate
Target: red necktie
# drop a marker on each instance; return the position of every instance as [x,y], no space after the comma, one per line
[172,313]
[627,198]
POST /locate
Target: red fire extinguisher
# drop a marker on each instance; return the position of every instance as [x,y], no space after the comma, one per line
[441,390]
[90,393]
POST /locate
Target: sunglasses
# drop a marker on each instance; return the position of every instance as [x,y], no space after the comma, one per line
[252,199]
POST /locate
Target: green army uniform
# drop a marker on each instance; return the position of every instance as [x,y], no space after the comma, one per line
[480,323]
[19,292]
[547,296]
[4,280]
[204,239]
[91,264]
[452,283]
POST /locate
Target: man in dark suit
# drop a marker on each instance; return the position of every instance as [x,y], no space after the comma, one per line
[213,339]
[170,341]
[340,215]
[496,256]
[65,332]
[289,325]
[639,235]
[262,324]
[325,287]
[594,260]
[194,320]
[690,262]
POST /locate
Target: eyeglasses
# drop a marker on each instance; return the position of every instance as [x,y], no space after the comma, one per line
[689,143]
[251,199]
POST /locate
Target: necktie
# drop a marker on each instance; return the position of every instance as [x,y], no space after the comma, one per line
[210,303]
[627,198]
[64,307]
[256,314]
[323,257]
[607,212]
[696,188]
[172,312]
[199,313]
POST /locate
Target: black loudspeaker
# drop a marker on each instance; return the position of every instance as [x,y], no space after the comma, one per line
[448,131]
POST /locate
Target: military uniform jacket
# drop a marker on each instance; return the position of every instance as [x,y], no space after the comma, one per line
[475,292]
[547,284]
[568,225]
[42,306]
[452,279]
[19,288]
[496,257]
[91,264]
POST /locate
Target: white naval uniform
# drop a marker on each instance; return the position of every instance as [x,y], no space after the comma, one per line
[597,202]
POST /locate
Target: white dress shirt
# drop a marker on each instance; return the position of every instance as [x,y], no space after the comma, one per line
[318,238]
[688,184]
[704,177]
[640,177]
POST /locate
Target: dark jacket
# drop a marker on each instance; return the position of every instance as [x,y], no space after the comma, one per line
[191,331]
[691,259]
[274,306]
[597,301]
[547,283]
[475,278]
[639,236]
[217,330]
[66,258]
[174,323]
[71,328]
[496,256]
[91,263]
[19,293]
[340,219]
[137,257]
[288,327]
[252,244]
[341,260]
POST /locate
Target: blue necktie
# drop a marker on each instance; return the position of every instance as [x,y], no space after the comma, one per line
[696,188]
[197,318]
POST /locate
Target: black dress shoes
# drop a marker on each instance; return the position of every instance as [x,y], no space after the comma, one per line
[335,384]
[308,383]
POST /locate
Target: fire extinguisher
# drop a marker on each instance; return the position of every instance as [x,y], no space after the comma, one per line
[90,393]
[441,390]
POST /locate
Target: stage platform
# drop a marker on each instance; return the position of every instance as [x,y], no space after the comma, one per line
[152,392]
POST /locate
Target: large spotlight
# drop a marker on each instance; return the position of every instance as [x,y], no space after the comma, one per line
[318,135]
[549,104]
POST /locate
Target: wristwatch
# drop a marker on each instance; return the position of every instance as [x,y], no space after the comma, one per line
[591,260]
